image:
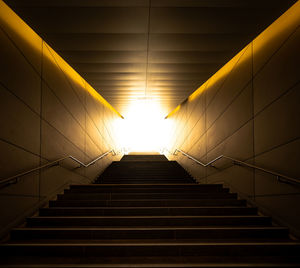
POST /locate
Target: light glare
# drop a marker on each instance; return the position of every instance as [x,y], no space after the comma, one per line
[144,128]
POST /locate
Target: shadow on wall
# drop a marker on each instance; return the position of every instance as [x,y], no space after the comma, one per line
[249,110]
[47,112]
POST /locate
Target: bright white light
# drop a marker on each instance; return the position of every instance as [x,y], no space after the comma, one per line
[144,128]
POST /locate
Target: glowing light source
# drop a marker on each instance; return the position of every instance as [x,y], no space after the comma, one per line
[144,128]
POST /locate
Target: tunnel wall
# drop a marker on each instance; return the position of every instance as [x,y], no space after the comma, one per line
[47,112]
[249,110]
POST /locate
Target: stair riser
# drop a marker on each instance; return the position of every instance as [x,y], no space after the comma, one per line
[148,203]
[184,186]
[141,168]
[147,158]
[147,222]
[130,174]
[146,190]
[149,212]
[144,250]
[114,196]
[216,234]
[153,164]
[148,175]
[151,262]
[153,179]
[147,170]
[141,181]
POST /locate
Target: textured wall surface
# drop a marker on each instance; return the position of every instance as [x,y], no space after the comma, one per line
[47,112]
[250,110]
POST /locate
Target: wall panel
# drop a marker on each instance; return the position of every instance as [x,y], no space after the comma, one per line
[279,74]
[47,112]
[251,113]
[14,125]
[278,123]
[18,75]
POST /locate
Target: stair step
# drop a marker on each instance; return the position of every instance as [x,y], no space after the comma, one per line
[154,211]
[152,249]
[100,189]
[162,165]
[146,163]
[273,263]
[150,185]
[135,170]
[147,203]
[120,196]
[145,175]
[123,173]
[151,262]
[146,221]
[216,233]
[142,180]
[158,157]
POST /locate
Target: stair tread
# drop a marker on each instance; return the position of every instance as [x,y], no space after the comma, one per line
[149,184]
[173,207]
[156,265]
[157,241]
[155,262]
[146,217]
[77,195]
[155,228]
[182,243]
[160,199]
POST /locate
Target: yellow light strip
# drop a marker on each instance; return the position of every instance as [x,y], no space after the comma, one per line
[284,25]
[12,23]
[220,74]
[15,26]
[77,79]
[174,111]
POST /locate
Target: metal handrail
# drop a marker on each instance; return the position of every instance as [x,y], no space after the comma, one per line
[238,162]
[4,181]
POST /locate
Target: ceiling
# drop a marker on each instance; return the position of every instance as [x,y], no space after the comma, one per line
[155,49]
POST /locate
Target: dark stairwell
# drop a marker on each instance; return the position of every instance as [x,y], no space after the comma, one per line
[145,211]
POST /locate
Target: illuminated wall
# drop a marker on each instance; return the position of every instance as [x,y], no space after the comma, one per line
[250,110]
[47,112]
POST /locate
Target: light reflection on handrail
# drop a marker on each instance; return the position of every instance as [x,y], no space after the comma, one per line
[53,163]
[238,162]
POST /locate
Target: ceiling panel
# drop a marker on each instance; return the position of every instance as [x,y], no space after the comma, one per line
[87,19]
[118,57]
[97,42]
[158,49]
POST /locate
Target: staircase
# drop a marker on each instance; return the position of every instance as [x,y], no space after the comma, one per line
[146,211]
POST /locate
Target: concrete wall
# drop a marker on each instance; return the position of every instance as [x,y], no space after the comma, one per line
[250,110]
[47,111]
